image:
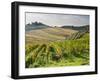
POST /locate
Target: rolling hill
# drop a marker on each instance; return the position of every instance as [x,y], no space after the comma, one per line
[48,34]
[35,25]
[39,32]
[78,28]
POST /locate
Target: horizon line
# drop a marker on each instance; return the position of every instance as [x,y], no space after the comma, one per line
[55,25]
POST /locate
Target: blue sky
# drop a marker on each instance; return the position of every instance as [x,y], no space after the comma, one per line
[57,19]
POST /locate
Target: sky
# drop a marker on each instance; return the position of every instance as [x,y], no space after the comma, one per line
[57,19]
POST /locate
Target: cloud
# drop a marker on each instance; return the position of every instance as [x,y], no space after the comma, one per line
[58,19]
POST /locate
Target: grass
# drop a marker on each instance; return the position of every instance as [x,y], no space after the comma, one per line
[72,52]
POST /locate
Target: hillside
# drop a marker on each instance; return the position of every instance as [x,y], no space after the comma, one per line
[78,28]
[35,25]
[48,34]
[41,33]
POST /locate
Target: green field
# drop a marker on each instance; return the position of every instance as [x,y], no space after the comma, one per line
[55,47]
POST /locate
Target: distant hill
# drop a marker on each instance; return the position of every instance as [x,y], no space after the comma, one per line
[40,25]
[35,25]
[78,28]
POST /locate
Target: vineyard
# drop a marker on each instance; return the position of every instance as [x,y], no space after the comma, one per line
[72,51]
